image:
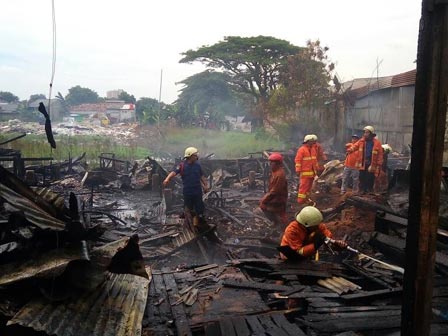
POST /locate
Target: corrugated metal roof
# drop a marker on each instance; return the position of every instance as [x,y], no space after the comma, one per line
[115,308]
[373,84]
[51,263]
[32,212]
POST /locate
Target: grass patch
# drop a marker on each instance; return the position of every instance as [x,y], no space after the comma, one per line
[174,141]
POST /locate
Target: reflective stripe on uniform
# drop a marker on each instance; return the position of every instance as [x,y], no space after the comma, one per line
[300,251]
[308,173]
[301,195]
[309,158]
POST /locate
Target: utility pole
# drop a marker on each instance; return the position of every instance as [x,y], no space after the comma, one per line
[160,98]
[430,107]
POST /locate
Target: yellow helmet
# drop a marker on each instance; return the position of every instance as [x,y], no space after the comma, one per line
[370,129]
[190,151]
[309,216]
[308,137]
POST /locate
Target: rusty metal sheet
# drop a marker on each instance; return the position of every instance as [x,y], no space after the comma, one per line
[53,263]
[47,264]
[115,308]
[32,212]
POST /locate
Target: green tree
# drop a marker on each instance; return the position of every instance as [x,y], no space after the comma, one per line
[303,91]
[207,97]
[36,96]
[128,99]
[8,97]
[148,110]
[78,95]
[64,105]
[252,63]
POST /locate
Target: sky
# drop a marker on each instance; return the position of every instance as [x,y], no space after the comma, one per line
[136,45]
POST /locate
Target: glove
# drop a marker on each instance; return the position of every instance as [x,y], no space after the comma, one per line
[370,169]
[319,239]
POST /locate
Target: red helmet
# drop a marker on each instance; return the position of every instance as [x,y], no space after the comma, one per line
[276,157]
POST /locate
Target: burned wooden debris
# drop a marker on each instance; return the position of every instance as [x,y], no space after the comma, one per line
[197,285]
[52,268]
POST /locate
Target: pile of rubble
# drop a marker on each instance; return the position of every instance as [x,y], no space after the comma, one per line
[109,252]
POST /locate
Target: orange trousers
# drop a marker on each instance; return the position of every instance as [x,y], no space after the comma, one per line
[304,188]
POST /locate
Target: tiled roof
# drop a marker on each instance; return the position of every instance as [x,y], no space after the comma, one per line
[101,107]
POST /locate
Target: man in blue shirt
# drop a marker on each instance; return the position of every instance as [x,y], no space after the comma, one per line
[194,182]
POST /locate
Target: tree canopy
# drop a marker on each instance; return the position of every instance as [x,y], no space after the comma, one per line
[8,97]
[128,98]
[252,63]
[150,111]
[78,95]
[207,97]
[36,96]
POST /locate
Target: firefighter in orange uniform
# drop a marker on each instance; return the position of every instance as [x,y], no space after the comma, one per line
[303,236]
[307,167]
[273,203]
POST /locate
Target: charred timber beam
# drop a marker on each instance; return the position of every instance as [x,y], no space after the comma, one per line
[430,107]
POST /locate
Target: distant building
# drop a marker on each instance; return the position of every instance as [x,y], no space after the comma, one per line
[114,94]
[386,103]
[115,111]
[8,110]
[56,110]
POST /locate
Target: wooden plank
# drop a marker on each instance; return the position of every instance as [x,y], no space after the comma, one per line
[205,267]
[158,236]
[309,273]
[290,328]
[306,295]
[270,327]
[354,324]
[160,290]
[212,329]
[329,316]
[151,306]
[240,325]
[319,303]
[226,327]
[255,325]
[370,294]
[180,318]
[256,285]
[354,309]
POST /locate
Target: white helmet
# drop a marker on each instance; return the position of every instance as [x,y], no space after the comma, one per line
[309,216]
[314,137]
[308,137]
[190,151]
[370,129]
[387,148]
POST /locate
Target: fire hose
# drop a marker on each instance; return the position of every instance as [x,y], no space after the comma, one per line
[351,249]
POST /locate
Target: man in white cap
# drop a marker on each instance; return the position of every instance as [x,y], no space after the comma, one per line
[194,182]
[370,159]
